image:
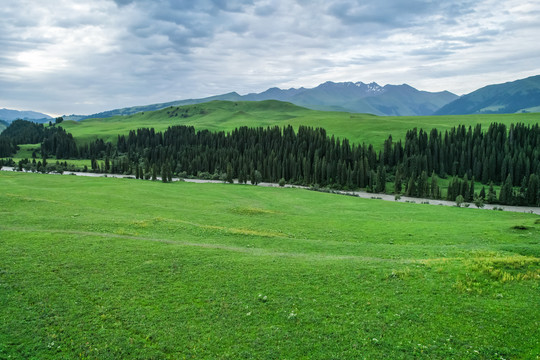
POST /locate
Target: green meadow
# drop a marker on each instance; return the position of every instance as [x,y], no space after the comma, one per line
[100,268]
[226,116]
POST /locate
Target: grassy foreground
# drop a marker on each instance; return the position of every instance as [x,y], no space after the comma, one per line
[113,268]
[224,115]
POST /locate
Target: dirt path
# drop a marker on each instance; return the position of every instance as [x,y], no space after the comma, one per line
[360,194]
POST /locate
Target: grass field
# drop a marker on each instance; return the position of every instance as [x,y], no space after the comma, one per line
[222,115]
[26,150]
[101,268]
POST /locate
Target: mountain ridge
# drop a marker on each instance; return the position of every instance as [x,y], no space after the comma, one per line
[355,97]
[516,96]
[9,115]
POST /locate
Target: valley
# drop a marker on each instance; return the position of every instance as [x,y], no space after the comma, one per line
[107,268]
[117,267]
[263,180]
[360,194]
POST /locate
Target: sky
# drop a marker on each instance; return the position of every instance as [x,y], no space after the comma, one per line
[82,57]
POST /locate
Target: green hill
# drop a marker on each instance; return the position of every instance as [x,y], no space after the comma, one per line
[153,107]
[511,97]
[225,115]
[117,268]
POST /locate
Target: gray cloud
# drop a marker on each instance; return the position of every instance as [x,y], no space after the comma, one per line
[77,56]
[389,13]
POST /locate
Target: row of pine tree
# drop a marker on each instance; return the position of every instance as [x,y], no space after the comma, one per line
[509,157]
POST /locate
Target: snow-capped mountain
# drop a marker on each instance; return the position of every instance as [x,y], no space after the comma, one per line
[356,97]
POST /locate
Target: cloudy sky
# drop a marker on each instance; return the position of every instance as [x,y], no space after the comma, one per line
[80,56]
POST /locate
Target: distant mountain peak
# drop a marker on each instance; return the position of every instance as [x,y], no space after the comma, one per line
[360,97]
[10,115]
[356,97]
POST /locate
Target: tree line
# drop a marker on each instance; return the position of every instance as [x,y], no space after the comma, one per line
[55,141]
[509,157]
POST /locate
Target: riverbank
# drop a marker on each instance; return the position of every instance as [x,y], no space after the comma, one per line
[360,194]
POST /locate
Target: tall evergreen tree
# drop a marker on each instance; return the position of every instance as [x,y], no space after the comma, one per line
[397,182]
[532,190]
[164,177]
[229,177]
[435,190]
[380,186]
[492,195]
[482,194]
[471,190]
[506,193]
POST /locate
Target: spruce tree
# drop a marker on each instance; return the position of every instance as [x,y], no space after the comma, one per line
[229,177]
[411,187]
[471,190]
[506,194]
[492,195]
[164,174]
[465,188]
[380,186]
[397,182]
[423,185]
[532,190]
[482,194]
[521,198]
[435,191]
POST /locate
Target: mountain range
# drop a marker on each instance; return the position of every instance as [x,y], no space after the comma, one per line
[361,98]
[398,100]
[391,100]
[10,115]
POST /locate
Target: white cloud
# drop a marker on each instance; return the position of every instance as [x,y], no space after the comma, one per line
[75,56]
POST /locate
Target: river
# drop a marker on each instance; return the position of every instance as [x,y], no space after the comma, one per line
[360,194]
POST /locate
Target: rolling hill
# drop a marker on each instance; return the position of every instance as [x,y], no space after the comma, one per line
[511,97]
[390,100]
[153,107]
[226,116]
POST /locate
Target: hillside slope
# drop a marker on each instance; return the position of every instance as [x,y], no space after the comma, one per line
[3,125]
[511,97]
[226,116]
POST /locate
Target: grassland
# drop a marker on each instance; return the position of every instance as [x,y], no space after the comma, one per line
[222,115]
[113,268]
[26,150]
